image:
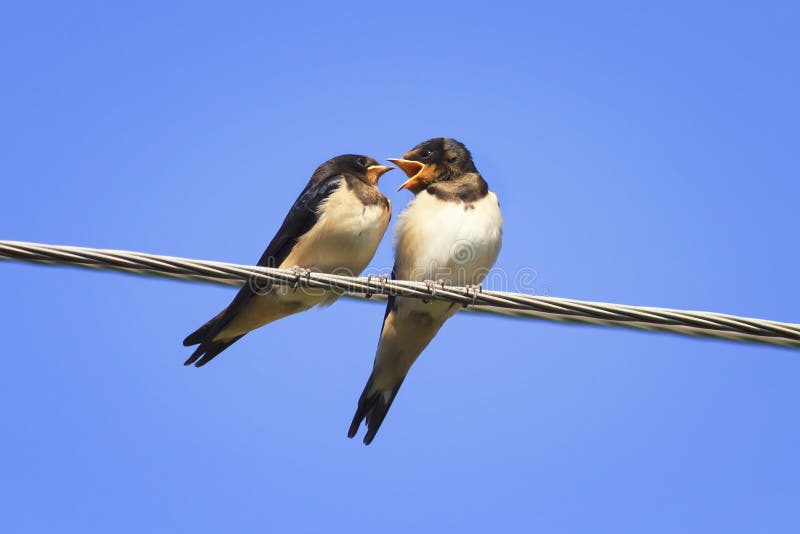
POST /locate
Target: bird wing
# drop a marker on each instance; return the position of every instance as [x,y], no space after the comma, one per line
[301,217]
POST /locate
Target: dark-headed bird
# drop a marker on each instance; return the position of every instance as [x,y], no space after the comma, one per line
[450,233]
[334,225]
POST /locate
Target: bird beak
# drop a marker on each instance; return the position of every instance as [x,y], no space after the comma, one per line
[376,171]
[413,170]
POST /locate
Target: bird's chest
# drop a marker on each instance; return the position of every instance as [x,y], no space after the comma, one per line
[451,241]
[344,238]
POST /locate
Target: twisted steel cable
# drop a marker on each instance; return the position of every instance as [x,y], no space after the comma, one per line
[692,323]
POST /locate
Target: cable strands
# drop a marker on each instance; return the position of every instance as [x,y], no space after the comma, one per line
[692,323]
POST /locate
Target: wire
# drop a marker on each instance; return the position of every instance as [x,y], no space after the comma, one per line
[692,323]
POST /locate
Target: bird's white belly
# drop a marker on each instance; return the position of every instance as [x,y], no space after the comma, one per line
[344,239]
[450,241]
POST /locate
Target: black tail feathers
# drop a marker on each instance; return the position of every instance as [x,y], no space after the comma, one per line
[372,406]
[205,332]
[204,336]
[208,350]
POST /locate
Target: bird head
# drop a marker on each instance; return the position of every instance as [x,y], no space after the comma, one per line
[432,161]
[364,167]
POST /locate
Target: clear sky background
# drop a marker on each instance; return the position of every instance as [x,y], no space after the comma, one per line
[643,154]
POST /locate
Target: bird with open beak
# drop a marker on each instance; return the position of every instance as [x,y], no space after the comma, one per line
[335,224]
[450,233]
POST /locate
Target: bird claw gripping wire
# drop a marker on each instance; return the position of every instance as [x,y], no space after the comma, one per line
[431,285]
[299,272]
[382,278]
[472,290]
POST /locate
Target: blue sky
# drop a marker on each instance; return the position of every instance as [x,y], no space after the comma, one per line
[643,154]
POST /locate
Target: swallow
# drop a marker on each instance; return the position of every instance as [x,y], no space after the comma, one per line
[335,224]
[451,233]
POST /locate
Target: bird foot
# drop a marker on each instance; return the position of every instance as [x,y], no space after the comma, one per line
[382,278]
[431,285]
[299,273]
[472,290]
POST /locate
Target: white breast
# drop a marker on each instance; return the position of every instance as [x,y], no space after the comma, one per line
[345,237]
[453,241]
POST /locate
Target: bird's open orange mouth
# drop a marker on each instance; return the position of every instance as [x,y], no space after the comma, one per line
[414,170]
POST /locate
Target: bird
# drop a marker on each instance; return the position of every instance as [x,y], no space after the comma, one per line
[335,225]
[450,233]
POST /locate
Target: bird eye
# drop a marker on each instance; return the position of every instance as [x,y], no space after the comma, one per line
[362,162]
[425,154]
